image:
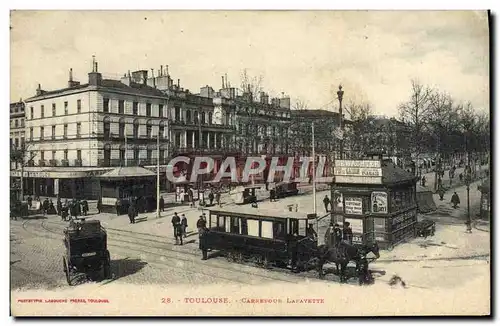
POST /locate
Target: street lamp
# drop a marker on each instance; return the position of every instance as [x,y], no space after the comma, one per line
[340,95]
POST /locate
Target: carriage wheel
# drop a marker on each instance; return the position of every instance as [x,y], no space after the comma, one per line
[67,271]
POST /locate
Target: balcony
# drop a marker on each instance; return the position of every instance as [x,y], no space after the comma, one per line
[64,163]
[41,162]
[78,163]
[31,163]
[53,163]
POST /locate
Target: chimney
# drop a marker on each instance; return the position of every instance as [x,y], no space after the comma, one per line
[222,82]
[70,74]
[167,70]
[226,86]
[95,78]
[39,90]
[178,83]
[161,70]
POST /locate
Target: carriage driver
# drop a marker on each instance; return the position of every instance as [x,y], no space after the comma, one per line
[311,233]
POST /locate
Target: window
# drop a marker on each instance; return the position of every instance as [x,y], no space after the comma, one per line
[53,109]
[148,109]
[235,225]
[210,118]
[16,141]
[22,122]
[122,154]
[279,230]
[41,133]
[188,116]
[42,155]
[161,131]
[177,113]
[136,154]
[53,155]
[121,106]
[16,123]
[162,156]
[66,108]
[42,112]
[148,130]
[203,117]
[106,105]
[78,106]
[53,132]
[78,129]
[121,129]
[65,134]
[66,154]
[107,129]
[31,134]
[160,110]
[31,112]
[135,108]
[79,155]
[149,154]
[22,141]
[136,130]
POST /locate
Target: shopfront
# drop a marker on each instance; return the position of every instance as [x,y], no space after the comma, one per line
[377,198]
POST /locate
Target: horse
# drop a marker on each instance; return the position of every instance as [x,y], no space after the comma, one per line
[341,255]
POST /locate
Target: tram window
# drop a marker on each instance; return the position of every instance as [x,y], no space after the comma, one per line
[243,226]
[228,224]
[278,230]
[253,228]
[267,230]
[235,224]
[294,226]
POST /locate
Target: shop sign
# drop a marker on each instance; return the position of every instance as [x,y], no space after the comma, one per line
[402,217]
[356,171]
[357,179]
[379,202]
[353,206]
[108,201]
[358,163]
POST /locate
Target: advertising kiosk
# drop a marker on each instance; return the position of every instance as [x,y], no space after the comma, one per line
[484,211]
[377,198]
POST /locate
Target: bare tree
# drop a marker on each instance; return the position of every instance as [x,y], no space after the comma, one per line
[415,113]
[251,84]
[358,136]
[300,105]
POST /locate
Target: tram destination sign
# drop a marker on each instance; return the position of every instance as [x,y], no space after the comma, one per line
[355,171]
[358,179]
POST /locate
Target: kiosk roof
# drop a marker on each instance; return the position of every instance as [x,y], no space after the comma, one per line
[255,213]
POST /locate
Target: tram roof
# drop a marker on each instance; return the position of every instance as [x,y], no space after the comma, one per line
[256,214]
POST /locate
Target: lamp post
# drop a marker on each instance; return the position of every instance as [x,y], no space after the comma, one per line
[340,95]
[468,176]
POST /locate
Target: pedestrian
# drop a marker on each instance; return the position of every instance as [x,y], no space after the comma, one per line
[52,209]
[184,225]
[131,213]
[162,204]
[45,206]
[441,193]
[337,235]
[455,200]
[30,201]
[99,205]
[461,176]
[329,236]
[294,243]
[85,207]
[326,202]
[272,195]
[217,198]
[347,233]
[118,207]
[423,181]
[203,243]
[58,206]
[201,224]
[175,220]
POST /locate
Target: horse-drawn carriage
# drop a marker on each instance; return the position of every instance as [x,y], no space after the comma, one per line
[279,239]
[86,250]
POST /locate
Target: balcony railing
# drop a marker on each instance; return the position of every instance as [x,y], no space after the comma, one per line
[53,162]
[78,162]
[64,163]
[41,162]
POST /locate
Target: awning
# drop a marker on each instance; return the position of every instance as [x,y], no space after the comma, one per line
[59,172]
[127,172]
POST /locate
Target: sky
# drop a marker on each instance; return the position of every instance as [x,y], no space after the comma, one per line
[305,54]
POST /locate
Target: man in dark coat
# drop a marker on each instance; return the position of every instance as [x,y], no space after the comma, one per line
[131,213]
[272,194]
[59,206]
[99,205]
[326,202]
[184,225]
[211,197]
[294,246]
[347,233]
[203,244]
[337,235]
[217,198]
[455,200]
[329,236]
[441,193]
[85,207]
[175,220]
[29,200]
[45,206]
[423,181]
[162,204]
[201,225]
[118,207]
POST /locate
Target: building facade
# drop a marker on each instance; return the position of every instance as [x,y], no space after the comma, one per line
[17,121]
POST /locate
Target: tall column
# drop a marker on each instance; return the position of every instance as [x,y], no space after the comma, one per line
[215,140]
[193,145]
[208,139]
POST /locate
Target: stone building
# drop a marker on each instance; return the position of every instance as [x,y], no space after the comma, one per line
[16,127]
